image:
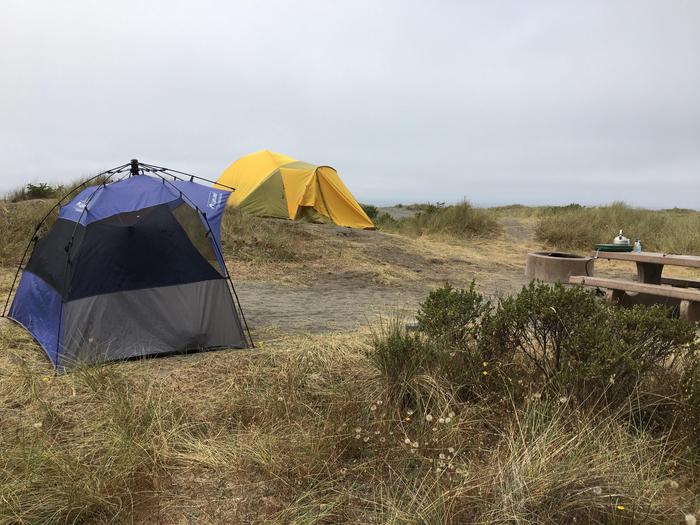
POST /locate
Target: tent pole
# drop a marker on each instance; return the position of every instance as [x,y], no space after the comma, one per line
[160,168]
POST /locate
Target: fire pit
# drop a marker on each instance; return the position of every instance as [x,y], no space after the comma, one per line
[557,267]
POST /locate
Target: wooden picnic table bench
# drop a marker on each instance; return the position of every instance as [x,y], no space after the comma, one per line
[651,287]
[651,264]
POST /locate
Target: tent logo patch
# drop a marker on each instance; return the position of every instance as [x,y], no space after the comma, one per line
[80,205]
[215,200]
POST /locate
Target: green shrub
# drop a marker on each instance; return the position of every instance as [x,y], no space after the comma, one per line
[581,346]
[41,190]
[447,350]
[370,210]
[386,222]
[453,314]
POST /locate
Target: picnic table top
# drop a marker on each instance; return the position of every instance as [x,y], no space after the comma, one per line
[690,261]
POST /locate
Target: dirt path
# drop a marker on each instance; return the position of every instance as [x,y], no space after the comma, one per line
[353,296]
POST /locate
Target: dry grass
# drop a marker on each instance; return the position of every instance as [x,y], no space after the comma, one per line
[303,430]
[673,231]
[460,221]
[18,222]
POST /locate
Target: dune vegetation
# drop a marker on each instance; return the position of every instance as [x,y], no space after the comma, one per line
[459,221]
[673,231]
[545,406]
[461,421]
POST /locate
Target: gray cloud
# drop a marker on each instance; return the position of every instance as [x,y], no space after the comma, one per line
[497,102]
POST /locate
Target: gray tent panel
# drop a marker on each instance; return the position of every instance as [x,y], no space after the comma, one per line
[150,321]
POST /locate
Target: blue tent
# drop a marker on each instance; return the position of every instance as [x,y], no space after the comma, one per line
[131,268]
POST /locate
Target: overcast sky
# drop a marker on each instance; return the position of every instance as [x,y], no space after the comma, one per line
[493,101]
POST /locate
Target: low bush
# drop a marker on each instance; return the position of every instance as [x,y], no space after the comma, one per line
[580,346]
[453,314]
[461,221]
[371,211]
[562,341]
[41,190]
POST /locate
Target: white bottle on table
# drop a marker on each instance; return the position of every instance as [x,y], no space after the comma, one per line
[637,245]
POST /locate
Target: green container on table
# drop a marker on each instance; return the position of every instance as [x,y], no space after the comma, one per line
[613,247]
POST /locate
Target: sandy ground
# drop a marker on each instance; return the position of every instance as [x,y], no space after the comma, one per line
[388,273]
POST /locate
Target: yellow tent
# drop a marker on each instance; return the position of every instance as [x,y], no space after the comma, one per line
[274,185]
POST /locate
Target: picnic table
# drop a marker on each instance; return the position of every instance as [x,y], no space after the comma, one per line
[651,287]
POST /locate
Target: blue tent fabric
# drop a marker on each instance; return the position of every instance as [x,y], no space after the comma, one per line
[130,250]
[37,307]
[136,193]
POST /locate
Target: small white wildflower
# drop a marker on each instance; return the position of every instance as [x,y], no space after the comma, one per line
[376,432]
[448,419]
[382,439]
[672,483]
[563,399]
[451,414]
[597,491]
[409,412]
[343,471]
[536,395]
[442,456]
[357,436]
[366,439]
[434,429]
[280,398]
[407,441]
[690,519]
[358,430]
[38,425]
[373,408]
[414,444]
[391,432]
[428,418]
[451,450]
[441,420]
[380,402]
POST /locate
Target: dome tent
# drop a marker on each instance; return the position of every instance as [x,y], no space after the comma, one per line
[131,267]
[270,184]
